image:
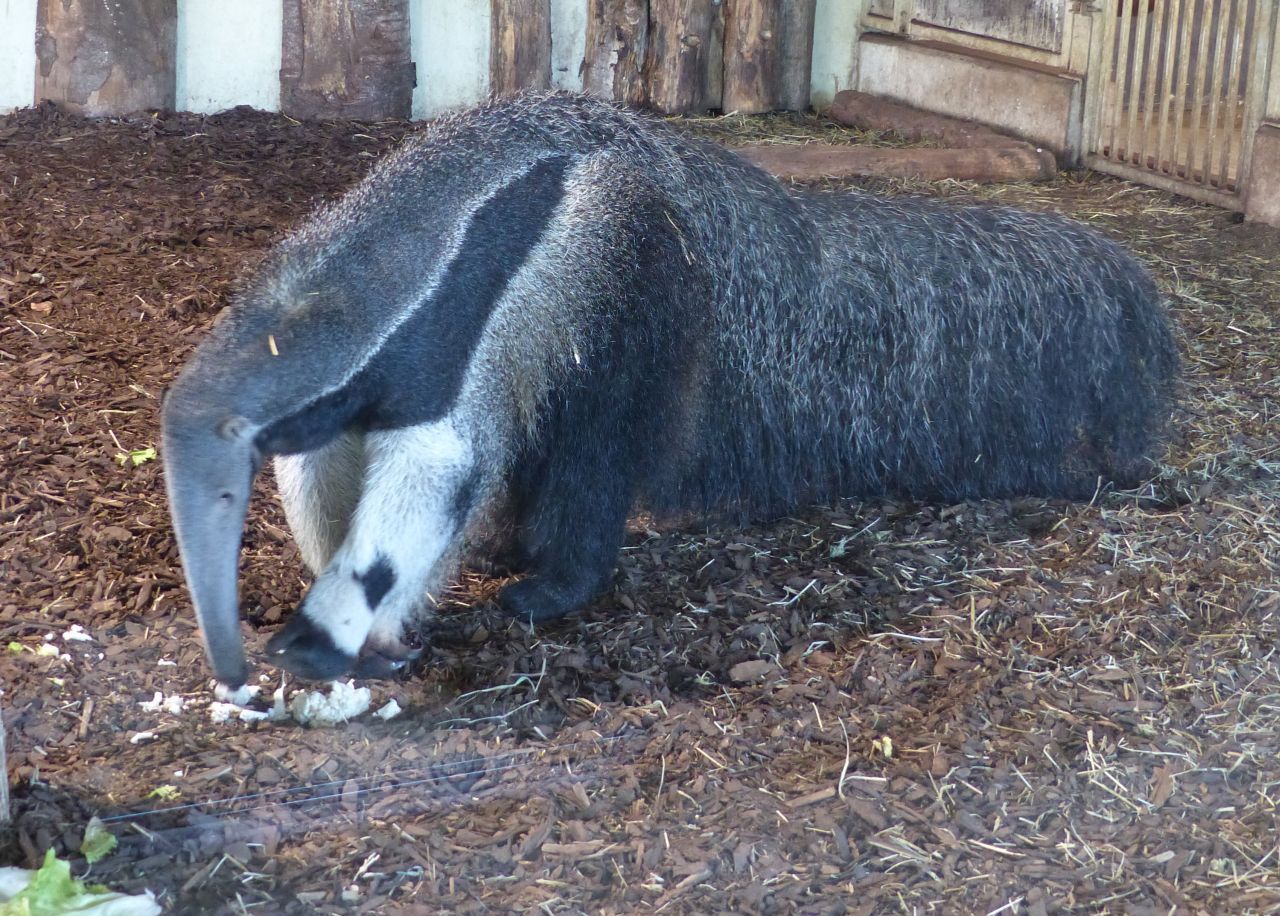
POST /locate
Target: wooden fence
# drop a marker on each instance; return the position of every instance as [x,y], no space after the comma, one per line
[354,58]
[1174,103]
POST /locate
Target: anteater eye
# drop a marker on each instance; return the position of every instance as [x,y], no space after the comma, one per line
[233,429]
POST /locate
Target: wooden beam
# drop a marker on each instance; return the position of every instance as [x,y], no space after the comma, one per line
[678,60]
[752,55]
[346,59]
[797,54]
[97,58]
[520,49]
[617,39]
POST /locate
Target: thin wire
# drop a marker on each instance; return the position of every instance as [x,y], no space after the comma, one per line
[437,772]
[239,824]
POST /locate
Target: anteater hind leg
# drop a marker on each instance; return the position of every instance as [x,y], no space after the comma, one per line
[320,490]
[571,526]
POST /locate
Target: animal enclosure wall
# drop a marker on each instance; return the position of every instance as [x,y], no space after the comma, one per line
[1061,74]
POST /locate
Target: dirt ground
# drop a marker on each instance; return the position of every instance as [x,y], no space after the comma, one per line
[1017,706]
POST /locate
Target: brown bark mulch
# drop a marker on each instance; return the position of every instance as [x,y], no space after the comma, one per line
[1018,706]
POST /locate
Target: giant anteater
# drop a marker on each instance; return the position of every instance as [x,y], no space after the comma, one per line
[552,309]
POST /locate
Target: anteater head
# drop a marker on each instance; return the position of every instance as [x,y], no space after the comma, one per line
[210,462]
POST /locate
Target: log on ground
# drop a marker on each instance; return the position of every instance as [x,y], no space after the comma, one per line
[872,112]
[815,161]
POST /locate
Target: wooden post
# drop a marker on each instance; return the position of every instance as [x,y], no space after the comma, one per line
[520,45]
[797,54]
[97,58]
[678,58]
[346,59]
[752,55]
[617,38]
[715,60]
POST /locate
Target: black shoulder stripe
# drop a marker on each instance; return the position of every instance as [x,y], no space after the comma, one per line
[417,374]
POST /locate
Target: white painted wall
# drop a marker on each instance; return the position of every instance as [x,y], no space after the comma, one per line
[228,54]
[837,25]
[450,45]
[568,43]
[17,54]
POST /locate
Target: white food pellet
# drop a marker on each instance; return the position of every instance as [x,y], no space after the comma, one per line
[344,702]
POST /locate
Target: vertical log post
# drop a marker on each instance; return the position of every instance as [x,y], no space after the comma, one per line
[346,59]
[797,54]
[520,49]
[97,58]
[617,38]
[752,55]
[678,58]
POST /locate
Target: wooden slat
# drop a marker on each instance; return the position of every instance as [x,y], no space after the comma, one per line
[1196,87]
[1216,134]
[346,59]
[678,58]
[1151,104]
[97,58]
[1264,31]
[617,39]
[1095,87]
[1235,93]
[1119,53]
[1168,84]
[1134,145]
[715,61]
[520,45]
[797,54]
[1186,38]
[752,55]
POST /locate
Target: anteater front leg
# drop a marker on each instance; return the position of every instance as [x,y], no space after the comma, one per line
[410,513]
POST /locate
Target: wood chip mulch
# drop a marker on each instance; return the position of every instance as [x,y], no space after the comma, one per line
[1020,706]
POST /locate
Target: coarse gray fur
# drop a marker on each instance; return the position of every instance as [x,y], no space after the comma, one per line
[674,328]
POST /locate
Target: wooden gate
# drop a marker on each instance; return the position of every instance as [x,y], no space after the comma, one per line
[1175,93]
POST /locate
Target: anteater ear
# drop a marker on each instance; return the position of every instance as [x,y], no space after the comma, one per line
[235,429]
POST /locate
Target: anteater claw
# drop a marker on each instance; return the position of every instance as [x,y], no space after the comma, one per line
[308,651]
